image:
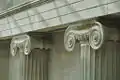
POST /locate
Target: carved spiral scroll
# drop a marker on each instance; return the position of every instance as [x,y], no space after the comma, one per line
[92,35]
[96,36]
[69,41]
[20,43]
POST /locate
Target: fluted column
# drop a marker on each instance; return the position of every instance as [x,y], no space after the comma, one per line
[97,54]
[27,61]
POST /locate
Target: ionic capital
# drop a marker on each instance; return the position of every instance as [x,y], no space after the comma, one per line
[93,33]
[20,43]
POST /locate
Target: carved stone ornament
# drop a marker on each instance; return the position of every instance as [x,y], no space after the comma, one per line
[20,43]
[93,34]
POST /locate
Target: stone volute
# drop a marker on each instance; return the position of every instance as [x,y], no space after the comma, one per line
[92,33]
[20,43]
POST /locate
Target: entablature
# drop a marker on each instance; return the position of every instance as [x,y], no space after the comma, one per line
[33,16]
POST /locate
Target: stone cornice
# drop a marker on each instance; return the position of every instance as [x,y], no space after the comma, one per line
[93,34]
[22,7]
